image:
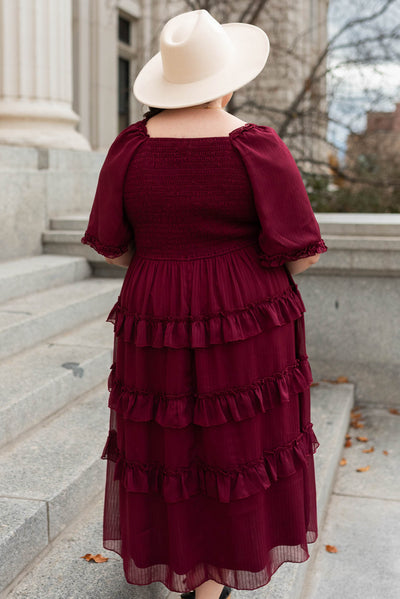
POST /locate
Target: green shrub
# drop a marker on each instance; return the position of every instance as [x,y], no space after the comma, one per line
[325,198]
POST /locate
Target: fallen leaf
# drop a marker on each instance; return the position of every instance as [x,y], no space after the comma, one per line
[348,443]
[355,415]
[385,452]
[363,469]
[339,379]
[368,450]
[343,462]
[331,548]
[363,439]
[314,384]
[348,436]
[356,424]
[394,411]
[98,558]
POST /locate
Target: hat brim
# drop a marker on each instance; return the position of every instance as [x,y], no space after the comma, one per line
[251,45]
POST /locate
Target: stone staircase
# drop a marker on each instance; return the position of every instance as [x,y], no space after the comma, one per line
[55,353]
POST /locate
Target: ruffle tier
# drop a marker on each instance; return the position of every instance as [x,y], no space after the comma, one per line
[216,300]
[206,329]
[209,409]
[236,483]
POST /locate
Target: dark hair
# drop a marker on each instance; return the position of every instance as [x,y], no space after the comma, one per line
[152,112]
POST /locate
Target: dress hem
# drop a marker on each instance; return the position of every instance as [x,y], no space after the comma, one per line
[107,546]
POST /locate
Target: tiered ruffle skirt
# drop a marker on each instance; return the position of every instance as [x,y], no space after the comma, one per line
[210,471]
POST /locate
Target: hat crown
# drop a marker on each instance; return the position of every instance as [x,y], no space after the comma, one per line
[194,46]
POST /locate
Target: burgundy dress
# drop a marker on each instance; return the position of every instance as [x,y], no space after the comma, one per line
[210,471]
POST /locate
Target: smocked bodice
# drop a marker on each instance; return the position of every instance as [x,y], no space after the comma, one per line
[189,197]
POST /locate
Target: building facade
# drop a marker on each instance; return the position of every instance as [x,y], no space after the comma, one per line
[68,67]
[376,151]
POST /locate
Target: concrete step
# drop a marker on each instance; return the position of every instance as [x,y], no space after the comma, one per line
[76,579]
[27,275]
[362,519]
[63,574]
[26,321]
[70,222]
[359,223]
[48,478]
[38,381]
[67,242]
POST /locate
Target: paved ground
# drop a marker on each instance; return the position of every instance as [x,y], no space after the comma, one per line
[363,517]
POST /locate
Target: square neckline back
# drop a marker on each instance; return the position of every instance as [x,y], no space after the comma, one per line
[231,134]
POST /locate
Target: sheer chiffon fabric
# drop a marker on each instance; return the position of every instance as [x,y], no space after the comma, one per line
[210,471]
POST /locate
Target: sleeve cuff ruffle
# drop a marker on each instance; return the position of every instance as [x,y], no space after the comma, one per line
[109,251]
[318,247]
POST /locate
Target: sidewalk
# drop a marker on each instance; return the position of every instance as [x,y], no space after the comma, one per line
[363,516]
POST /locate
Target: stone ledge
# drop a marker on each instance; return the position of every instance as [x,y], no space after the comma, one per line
[359,223]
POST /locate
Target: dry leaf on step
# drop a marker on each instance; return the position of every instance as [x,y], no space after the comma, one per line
[96,558]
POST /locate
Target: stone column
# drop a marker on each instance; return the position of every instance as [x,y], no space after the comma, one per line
[36,75]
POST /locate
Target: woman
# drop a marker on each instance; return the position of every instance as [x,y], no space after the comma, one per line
[210,475]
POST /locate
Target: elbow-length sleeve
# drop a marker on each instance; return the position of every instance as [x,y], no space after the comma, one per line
[109,231]
[288,227]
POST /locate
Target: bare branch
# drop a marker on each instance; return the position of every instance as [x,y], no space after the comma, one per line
[348,25]
[250,13]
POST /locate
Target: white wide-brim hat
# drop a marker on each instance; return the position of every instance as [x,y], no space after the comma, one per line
[200,60]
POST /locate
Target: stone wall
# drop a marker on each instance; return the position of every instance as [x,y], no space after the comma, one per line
[352,296]
[37,184]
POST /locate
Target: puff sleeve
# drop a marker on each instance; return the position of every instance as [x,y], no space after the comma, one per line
[288,227]
[109,231]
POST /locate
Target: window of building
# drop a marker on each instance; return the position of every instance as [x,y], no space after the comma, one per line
[124,30]
[126,68]
[123,93]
